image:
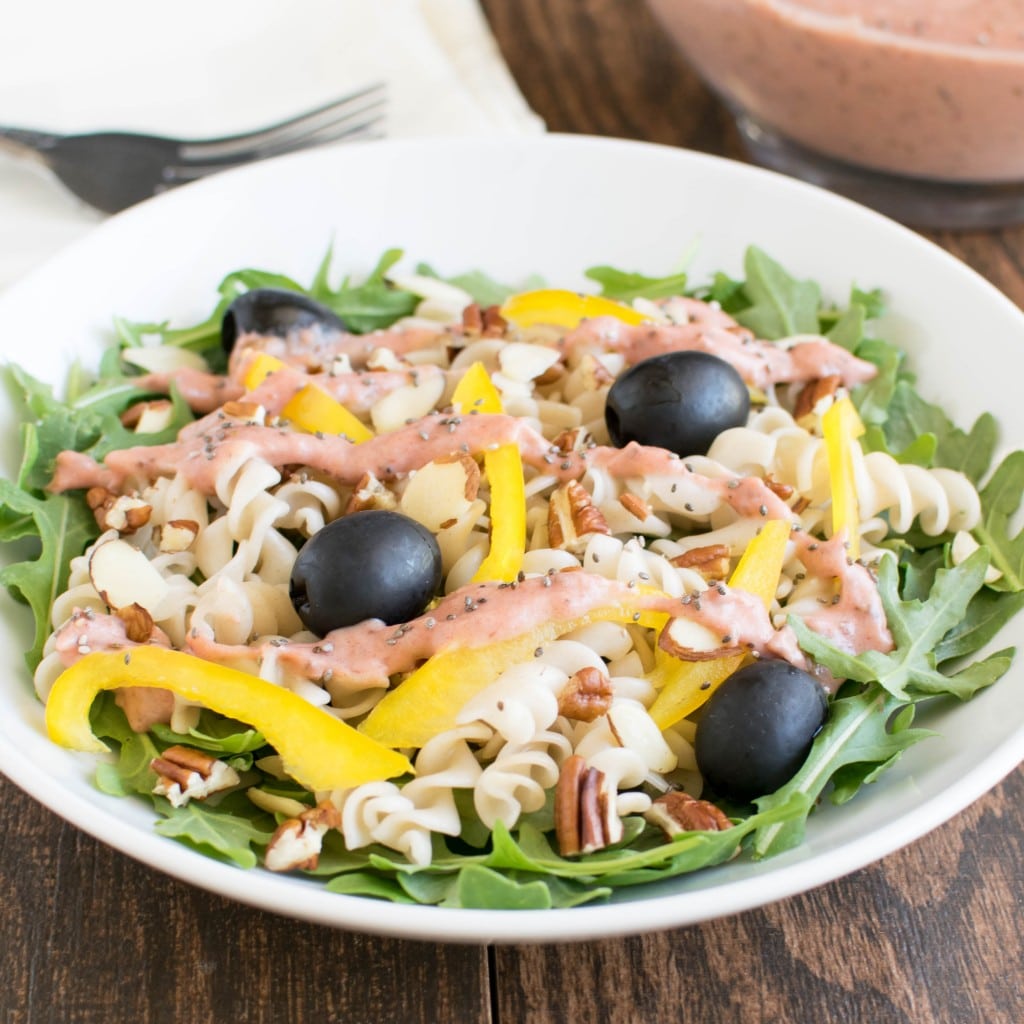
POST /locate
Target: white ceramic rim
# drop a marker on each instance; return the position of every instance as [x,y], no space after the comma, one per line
[697,898]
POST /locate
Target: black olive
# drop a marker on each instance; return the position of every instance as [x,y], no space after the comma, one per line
[274,311]
[680,401]
[368,565]
[757,728]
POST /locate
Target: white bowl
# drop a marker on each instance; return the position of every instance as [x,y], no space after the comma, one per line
[552,205]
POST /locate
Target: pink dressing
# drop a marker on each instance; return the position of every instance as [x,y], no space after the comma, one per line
[924,88]
[760,363]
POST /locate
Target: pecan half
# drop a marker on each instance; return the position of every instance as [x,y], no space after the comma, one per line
[585,815]
[677,812]
[586,696]
[573,518]
[712,561]
[297,842]
[188,774]
[813,393]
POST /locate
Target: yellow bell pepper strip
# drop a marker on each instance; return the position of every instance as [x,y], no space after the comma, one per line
[504,469]
[842,426]
[259,369]
[560,308]
[682,683]
[311,408]
[318,750]
[315,411]
[428,701]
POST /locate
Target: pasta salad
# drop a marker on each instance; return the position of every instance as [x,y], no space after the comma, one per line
[447,592]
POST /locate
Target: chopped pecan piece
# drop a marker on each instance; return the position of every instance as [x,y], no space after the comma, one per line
[573,518]
[586,696]
[121,512]
[187,774]
[813,393]
[251,412]
[148,417]
[585,815]
[297,843]
[594,373]
[473,318]
[494,324]
[677,812]
[577,439]
[370,493]
[178,535]
[138,623]
[712,561]
[779,489]
[635,505]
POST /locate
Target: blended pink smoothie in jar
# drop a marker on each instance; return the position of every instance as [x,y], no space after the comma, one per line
[924,88]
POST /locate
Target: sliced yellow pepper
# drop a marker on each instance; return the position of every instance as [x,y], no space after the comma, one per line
[560,308]
[259,369]
[686,685]
[315,411]
[504,469]
[319,751]
[428,701]
[842,426]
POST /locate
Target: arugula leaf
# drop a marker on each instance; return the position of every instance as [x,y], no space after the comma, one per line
[215,831]
[214,733]
[848,330]
[481,888]
[920,451]
[626,286]
[726,291]
[375,303]
[1000,500]
[917,628]
[910,416]
[861,738]
[874,398]
[483,288]
[365,883]
[782,305]
[64,526]
[873,301]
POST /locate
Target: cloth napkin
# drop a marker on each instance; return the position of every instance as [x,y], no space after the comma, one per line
[208,67]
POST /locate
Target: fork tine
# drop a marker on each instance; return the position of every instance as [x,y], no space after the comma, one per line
[269,139]
[179,174]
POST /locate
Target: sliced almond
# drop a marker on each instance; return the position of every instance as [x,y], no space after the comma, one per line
[524,362]
[692,641]
[123,575]
[411,402]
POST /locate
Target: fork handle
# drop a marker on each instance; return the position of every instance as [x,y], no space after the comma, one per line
[21,139]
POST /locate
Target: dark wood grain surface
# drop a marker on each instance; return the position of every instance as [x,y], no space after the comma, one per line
[930,934]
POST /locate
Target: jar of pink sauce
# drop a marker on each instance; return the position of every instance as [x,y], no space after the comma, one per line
[914,106]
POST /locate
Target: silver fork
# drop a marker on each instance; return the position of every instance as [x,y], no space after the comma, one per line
[114,170]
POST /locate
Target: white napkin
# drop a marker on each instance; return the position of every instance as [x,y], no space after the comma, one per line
[205,67]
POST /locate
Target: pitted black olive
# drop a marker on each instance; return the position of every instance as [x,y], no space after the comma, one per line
[757,728]
[274,311]
[368,565]
[680,401]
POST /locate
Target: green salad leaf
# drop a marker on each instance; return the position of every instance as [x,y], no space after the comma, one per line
[63,526]
[626,286]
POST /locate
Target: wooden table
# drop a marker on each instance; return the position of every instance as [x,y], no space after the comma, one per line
[931,933]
